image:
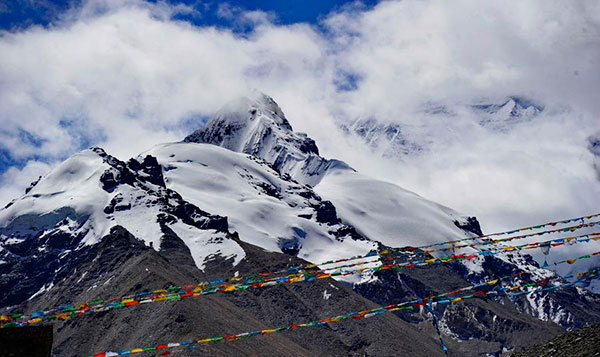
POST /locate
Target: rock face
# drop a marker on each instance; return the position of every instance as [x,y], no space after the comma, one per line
[480,327]
[247,194]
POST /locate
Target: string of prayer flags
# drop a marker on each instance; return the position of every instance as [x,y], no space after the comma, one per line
[501,240]
[410,305]
[540,226]
[63,313]
[572,261]
[67,311]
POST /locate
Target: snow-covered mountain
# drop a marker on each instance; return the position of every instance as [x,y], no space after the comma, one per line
[251,167]
[243,194]
[77,204]
[380,211]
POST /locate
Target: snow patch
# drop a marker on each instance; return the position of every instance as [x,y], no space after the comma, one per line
[42,290]
[206,244]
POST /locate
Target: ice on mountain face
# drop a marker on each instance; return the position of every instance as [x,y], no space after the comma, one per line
[265,208]
[387,213]
[501,117]
[257,126]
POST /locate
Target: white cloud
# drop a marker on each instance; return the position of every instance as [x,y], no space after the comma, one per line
[14,181]
[125,76]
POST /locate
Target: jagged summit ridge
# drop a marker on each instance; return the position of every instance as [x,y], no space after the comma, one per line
[257,126]
[513,110]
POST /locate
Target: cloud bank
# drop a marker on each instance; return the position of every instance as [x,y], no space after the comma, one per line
[126,75]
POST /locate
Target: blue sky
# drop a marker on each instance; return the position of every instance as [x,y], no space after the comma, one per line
[23,13]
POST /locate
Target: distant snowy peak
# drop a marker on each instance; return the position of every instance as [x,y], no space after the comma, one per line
[387,139]
[512,110]
[513,106]
[256,126]
[393,138]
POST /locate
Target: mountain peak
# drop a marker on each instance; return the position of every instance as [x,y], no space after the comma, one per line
[257,126]
[241,124]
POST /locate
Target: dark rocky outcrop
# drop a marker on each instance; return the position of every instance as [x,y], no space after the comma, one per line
[583,342]
[31,341]
[470,224]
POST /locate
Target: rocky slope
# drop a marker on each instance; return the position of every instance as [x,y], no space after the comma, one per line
[578,343]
